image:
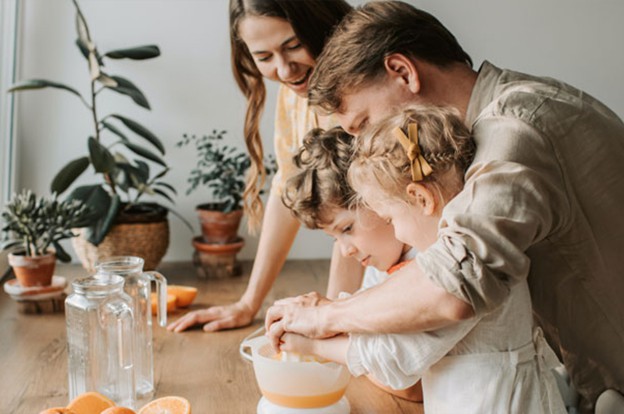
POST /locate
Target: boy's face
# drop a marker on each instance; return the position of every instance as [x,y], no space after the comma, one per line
[362,235]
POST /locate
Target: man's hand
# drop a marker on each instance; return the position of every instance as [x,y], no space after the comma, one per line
[216,318]
[303,315]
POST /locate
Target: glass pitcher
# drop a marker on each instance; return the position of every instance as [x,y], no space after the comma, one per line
[100,330]
[138,287]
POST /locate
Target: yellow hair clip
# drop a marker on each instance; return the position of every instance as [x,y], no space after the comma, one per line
[419,166]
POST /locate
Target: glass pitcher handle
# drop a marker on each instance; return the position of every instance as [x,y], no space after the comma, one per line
[161,296]
[119,321]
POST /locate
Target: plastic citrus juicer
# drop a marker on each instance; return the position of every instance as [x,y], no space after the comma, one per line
[296,384]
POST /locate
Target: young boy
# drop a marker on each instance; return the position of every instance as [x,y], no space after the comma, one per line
[320,197]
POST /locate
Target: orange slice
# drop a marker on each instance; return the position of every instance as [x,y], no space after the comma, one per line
[170,405]
[185,294]
[90,403]
[118,410]
[171,303]
[56,410]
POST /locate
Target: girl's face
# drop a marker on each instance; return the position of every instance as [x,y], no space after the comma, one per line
[411,224]
[362,235]
[277,52]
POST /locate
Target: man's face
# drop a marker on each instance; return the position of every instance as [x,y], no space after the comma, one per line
[370,103]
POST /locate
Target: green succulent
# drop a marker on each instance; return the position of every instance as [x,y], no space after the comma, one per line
[119,148]
[36,224]
[221,168]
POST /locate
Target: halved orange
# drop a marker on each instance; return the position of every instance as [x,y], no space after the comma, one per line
[90,403]
[56,410]
[170,405]
[171,303]
[118,410]
[185,294]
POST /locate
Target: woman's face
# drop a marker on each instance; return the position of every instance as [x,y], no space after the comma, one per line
[277,52]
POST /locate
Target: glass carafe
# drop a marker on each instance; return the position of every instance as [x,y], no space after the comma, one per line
[100,332]
[138,286]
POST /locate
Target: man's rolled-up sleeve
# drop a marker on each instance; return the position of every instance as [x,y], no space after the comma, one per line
[484,233]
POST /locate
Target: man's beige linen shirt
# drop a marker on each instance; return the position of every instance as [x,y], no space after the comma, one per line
[544,199]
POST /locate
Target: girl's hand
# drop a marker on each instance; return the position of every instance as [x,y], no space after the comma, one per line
[216,318]
[297,343]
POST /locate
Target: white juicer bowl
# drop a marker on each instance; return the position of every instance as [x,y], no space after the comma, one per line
[295,384]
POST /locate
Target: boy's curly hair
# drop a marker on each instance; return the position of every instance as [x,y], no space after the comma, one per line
[321,184]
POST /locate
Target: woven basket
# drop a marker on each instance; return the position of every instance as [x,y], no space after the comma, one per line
[146,240]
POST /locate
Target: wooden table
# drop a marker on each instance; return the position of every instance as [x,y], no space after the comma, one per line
[205,368]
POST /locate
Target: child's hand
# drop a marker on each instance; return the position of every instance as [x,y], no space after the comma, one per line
[297,343]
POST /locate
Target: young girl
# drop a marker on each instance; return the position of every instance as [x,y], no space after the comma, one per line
[406,169]
[278,40]
[321,198]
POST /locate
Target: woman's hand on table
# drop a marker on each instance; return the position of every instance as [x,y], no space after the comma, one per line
[308,299]
[215,318]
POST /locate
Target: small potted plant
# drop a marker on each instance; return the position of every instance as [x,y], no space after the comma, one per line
[221,169]
[35,226]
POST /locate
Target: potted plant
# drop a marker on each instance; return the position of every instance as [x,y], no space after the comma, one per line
[36,226]
[221,169]
[120,150]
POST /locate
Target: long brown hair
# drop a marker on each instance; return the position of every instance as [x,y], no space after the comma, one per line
[312,22]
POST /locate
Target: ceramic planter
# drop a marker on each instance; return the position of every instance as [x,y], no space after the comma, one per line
[217,260]
[33,270]
[218,227]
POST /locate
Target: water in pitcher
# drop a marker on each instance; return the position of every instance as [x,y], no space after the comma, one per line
[100,330]
[138,286]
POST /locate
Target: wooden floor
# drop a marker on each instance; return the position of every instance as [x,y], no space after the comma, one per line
[204,368]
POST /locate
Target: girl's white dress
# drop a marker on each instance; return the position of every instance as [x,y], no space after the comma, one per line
[497,363]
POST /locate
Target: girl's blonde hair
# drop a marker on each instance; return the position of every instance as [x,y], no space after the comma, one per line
[321,184]
[445,143]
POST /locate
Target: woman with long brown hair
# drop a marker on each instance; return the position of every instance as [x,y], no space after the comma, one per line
[278,40]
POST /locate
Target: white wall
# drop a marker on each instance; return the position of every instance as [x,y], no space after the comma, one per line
[191,89]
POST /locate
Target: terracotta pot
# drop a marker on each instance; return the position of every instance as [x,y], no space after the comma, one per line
[33,270]
[218,227]
[217,260]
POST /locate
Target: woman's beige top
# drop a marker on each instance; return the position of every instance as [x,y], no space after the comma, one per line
[553,214]
[293,119]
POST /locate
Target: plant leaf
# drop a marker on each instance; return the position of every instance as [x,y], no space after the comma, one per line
[163,194]
[68,174]
[40,84]
[125,87]
[107,81]
[112,128]
[61,254]
[145,153]
[168,186]
[84,50]
[136,53]
[142,131]
[103,227]
[101,158]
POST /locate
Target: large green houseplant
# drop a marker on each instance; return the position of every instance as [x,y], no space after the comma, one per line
[221,169]
[33,227]
[119,149]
